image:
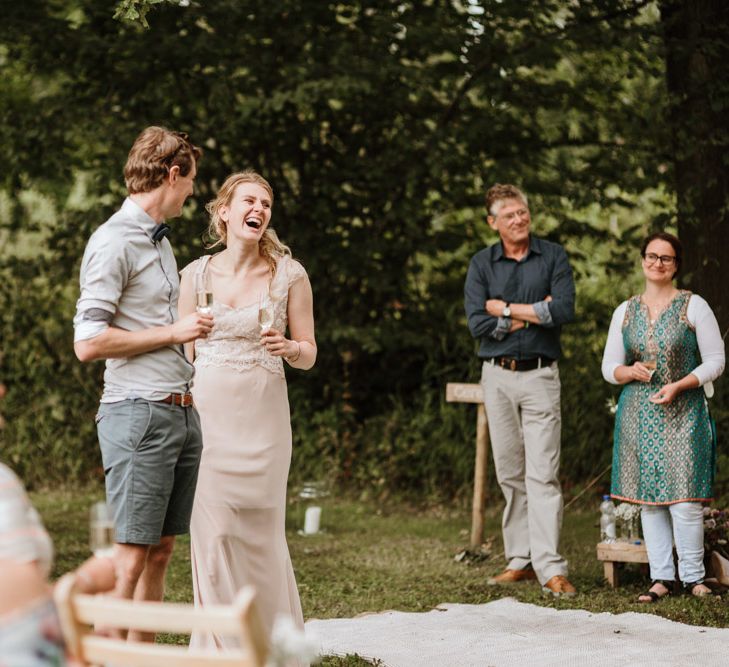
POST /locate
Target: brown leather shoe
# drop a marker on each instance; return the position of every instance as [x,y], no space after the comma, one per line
[512,577]
[559,586]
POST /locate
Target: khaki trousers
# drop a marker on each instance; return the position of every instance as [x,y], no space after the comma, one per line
[523,409]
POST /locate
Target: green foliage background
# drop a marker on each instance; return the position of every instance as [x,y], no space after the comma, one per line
[379,124]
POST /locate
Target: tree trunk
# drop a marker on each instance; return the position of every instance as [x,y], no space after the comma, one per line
[697,68]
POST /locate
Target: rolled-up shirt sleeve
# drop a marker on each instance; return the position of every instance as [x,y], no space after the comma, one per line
[614,354]
[562,291]
[104,274]
[541,308]
[480,323]
[503,327]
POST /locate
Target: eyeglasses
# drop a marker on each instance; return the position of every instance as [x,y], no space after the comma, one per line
[666,260]
[510,217]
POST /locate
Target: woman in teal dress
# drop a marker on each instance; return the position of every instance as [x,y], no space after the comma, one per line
[663,346]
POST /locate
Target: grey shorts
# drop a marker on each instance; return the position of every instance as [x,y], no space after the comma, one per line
[151,454]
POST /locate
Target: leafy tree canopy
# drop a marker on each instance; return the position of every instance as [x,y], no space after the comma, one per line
[379,124]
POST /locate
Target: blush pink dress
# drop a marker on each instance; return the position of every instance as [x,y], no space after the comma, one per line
[237,529]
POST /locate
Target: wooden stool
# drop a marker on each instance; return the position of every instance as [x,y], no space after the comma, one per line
[611,553]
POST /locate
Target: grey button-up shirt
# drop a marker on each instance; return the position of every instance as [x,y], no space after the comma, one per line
[543,271]
[130,282]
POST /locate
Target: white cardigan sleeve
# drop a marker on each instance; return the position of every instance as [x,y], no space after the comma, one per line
[614,354]
[708,336]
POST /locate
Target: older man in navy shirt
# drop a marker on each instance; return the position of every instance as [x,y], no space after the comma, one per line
[518,294]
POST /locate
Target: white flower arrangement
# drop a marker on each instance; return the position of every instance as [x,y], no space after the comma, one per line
[611,405]
[289,643]
[627,512]
[627,517]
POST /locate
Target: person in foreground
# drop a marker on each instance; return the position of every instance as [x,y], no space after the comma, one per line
[518,294]
[30,634]
[149,431]
[663,346]
[237,530]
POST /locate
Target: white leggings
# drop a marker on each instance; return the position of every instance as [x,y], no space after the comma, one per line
[682,524]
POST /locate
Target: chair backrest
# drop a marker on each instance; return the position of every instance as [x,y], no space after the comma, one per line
[79,613]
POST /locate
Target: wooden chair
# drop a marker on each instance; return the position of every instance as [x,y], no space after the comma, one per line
[79,613]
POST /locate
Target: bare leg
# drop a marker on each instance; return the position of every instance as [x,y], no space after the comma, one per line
[129,560]
[151,583]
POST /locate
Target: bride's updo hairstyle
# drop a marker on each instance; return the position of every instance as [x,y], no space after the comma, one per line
[270,246]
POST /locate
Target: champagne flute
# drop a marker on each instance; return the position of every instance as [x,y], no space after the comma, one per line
[265,312]
[650,361]
[101,530]
[203,293]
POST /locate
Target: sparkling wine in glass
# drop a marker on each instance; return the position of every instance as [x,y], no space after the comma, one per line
[265,312]
[101,530]
[203,293]
[650,361]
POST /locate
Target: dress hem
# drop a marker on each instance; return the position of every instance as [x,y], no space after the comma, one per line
[664,502]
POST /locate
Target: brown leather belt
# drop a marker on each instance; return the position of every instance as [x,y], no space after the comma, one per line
[511,364]
[183,400]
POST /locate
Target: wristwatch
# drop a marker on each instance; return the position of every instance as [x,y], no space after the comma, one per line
[507,311]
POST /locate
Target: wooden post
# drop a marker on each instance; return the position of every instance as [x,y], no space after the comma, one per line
[480,478]
[458,392]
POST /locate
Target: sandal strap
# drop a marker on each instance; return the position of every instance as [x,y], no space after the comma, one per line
[690,587]
[668,585]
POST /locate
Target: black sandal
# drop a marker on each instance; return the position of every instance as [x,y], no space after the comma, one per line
[690,588]
[654,597]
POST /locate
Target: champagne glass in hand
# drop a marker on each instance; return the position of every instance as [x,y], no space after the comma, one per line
[265,312]
[203,293]
[650,361]
[101,530]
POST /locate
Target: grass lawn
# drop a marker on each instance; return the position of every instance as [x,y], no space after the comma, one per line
[398,557]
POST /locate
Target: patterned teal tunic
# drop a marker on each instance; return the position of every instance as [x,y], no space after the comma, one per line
[662,454]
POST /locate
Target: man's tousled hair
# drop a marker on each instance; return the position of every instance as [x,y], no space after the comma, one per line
[155,151]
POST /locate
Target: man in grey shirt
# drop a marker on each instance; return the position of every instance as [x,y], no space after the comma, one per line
[518,294]
[149,431]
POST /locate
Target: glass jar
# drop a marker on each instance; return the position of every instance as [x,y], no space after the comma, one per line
[311,494]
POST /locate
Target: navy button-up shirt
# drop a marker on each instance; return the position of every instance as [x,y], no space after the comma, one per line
[543,271]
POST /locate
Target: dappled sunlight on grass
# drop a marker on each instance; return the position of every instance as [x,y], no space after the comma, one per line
[371,558]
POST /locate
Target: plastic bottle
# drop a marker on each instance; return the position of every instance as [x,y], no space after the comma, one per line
[607,520]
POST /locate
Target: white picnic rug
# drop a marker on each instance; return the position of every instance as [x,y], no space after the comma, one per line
[507,633]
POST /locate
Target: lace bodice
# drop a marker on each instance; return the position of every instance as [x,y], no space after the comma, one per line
[235,340]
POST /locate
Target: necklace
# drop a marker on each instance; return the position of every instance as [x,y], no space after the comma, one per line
[655,308]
